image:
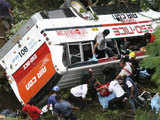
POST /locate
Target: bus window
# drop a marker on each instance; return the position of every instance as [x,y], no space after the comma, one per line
[74,51]
[87,51]
[126,45]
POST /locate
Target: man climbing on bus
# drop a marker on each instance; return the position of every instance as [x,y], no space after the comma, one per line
[101,44]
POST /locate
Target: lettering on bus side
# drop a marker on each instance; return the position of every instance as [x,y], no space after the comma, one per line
[34,80]
[128,30]
[124,16]
[30,61]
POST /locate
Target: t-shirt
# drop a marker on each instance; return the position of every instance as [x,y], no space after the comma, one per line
[116,88]
[102,42]
[52,100]
[4,8]
[127,70]
[64,108]
[129,84]
[79,91]
[33,111]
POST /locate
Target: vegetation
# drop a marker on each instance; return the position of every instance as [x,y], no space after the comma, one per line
[153,61]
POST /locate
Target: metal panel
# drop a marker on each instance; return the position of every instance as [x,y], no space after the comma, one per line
[73,76]
[18,36]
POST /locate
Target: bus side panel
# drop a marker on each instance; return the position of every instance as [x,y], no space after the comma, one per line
[34,73]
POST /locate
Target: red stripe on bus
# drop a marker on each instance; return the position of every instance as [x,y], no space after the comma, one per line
[128,23]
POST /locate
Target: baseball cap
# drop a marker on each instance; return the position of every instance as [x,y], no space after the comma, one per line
[56,88]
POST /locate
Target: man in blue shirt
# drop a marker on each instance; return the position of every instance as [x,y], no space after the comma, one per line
[51,100]
[64,109]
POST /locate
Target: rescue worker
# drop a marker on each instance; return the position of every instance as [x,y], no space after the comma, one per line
[131,89]
[101,44]
[33,111]
[126,68]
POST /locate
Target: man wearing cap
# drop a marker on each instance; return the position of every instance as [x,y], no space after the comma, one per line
[78,95]
[52,100]
[119,93]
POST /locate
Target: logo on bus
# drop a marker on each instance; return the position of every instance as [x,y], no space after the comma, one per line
[125,17]
[71,32]
[33,81]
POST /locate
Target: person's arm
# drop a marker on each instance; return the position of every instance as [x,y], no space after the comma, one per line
[117,77]
[132,92]
[75,108]
[72,106]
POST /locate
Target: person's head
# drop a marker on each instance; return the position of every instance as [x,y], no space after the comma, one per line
[106,32]
[55,89]
[58,98]
[122,62]
[132,55]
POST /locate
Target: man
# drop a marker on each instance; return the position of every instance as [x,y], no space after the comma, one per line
[64,109]
[51,100]
[91,80]
[131,90]
[118,91]
[78,95]
[104,96]
[126,68]
[33,111]
[101,44]
[6,13]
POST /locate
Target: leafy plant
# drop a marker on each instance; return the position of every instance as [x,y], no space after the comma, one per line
[144,115]
[153,61]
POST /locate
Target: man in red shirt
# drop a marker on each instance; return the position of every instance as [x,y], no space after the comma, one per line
[104,96]
[33,111]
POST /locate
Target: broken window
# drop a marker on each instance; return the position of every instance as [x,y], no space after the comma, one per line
[128,44]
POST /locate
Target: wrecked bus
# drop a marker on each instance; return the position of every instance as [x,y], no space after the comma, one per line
[55,47]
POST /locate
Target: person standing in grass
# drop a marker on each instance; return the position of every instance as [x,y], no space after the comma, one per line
[33,111]
[64,109]
[51,99]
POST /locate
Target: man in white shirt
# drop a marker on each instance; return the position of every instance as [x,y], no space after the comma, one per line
[78,95]
[115,87]
[80,91]
[119,93]
[126,69]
